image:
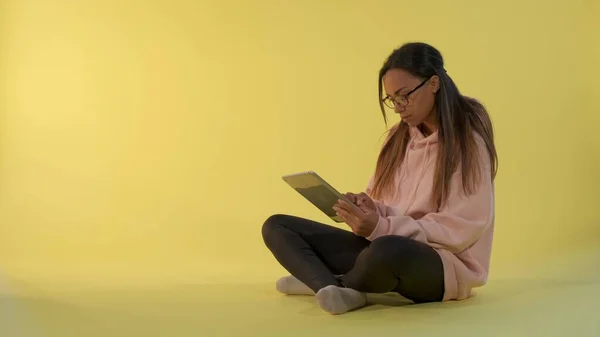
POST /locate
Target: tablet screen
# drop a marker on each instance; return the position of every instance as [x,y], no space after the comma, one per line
[321,197]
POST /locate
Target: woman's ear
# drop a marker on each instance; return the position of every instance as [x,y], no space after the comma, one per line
[434,83]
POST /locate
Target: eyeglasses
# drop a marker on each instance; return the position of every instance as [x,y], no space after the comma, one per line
[401,100]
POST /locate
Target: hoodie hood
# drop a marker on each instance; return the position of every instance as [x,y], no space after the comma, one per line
[418,138]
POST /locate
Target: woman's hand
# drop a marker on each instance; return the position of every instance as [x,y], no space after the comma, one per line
[362,221]
[363,201]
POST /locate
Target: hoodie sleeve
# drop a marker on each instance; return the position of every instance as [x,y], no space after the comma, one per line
[454,227]
[382,209]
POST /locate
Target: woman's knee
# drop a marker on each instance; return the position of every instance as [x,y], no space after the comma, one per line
[272,227]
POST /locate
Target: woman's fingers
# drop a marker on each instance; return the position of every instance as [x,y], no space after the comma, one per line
[348,218]
[364,199]
[349,208]
[352,197]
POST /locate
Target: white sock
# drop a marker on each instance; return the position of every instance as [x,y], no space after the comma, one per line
[290,285]
[336,300]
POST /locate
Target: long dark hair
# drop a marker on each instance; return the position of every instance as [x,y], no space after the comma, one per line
[457,116]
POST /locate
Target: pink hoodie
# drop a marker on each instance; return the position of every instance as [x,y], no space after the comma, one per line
[461,231]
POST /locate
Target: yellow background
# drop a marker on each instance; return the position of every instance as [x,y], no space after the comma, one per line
[142,143]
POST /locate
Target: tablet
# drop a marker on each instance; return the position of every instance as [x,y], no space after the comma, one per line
[318,192]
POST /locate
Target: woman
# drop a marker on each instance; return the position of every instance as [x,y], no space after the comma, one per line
[426,226]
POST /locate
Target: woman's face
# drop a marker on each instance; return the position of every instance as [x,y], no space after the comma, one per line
[418,106]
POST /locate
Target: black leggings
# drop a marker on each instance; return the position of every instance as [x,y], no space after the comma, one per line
[320,255]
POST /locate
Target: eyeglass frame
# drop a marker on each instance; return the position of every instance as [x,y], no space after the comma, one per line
[404,97]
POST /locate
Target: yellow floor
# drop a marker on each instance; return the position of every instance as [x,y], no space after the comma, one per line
[554,305]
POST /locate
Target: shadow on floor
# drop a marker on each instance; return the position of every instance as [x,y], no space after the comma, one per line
[550,307]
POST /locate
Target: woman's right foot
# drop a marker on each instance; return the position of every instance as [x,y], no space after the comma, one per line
[337,300]
[290,285]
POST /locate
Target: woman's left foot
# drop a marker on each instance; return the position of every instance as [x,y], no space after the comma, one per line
[336,300]
[290,285]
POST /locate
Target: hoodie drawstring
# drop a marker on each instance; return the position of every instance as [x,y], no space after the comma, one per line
[405,161]
[421,174]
